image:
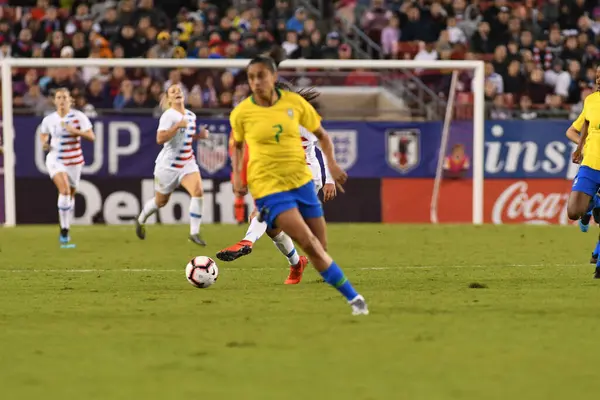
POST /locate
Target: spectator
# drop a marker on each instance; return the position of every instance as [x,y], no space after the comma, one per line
[525,111]
[305,50]
[296,23]
[36,101]
[558,79]
[133,48]
[514,80]
[537,90]
[500,61]
[124,96]
[499,111]
[493,81]
[390,36]
[457,35]
[96,95]
[555,109]
[55,44]
[24,45]
[329,51]
[145,8]
[139,100]
[481,42]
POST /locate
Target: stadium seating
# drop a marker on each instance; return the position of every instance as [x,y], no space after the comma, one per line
[558,37]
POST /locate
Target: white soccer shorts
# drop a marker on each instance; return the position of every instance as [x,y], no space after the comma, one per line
[167,179]
[73,171]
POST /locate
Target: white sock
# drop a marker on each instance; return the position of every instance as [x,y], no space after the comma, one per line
[149,208]
[72,213]
[196,206]
[64,210]
[255,230]
[285,245]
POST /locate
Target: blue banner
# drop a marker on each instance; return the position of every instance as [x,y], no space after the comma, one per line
[126,147]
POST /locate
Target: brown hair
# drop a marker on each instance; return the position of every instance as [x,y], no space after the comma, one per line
[64,90]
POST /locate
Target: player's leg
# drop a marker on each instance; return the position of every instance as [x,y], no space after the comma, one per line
[165,182]
[74,176]
[192,183]
[286,246]
[244,247]
[292,222]
[585,187]
[239,209]
[61,181]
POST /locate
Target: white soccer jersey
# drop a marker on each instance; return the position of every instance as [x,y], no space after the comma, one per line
[178,151]
[64,147]
[310,143]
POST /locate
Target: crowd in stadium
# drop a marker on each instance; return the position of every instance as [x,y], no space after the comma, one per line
[540,55]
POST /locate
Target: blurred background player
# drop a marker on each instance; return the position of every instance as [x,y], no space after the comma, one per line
[574,135]
[176,163]
[269,122]
[61,134]
[587,182]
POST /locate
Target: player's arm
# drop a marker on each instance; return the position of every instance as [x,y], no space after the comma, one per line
[328,177]
[203,133]
[237,155]
[573,133]
[45,136]
[166,131]
[85,130]
[578,154]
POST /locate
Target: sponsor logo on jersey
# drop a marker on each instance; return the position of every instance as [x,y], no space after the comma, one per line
[345,144]
[212,152]
[403,149]
[290,113]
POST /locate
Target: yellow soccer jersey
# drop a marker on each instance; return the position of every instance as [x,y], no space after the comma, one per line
[277,162]
[591,113]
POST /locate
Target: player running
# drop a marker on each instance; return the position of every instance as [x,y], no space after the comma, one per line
[176,163]
[278,178]
[257,228]
[61,134]
[574,135]
[587,182]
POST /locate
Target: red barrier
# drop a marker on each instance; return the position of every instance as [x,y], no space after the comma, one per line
[533,201]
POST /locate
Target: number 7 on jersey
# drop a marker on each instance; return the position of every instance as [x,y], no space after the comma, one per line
[278,131]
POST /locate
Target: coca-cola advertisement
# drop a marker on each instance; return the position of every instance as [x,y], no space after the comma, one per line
[506,201]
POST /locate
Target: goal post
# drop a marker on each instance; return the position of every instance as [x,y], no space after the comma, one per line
[478,101]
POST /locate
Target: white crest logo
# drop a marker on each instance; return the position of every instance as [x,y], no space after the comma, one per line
[212,152]
[345,144]
[403,149]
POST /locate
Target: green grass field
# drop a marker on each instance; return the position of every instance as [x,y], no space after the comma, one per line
[116,319]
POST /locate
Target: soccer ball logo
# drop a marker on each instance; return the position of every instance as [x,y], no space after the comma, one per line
[201,272]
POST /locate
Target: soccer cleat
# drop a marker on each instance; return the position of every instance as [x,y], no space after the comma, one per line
[597,273]
[296,271]
[197,239]
[236,251]
[140,230]
[359,306]
[65,239]
[594,259]
[584,222]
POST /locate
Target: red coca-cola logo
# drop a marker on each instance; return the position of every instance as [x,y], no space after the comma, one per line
[517,203]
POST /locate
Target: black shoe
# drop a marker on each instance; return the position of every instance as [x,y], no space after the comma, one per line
[140,230]
[234,252]
[197,239]
[597,273]
[594,259]
[64,236]
[586,219]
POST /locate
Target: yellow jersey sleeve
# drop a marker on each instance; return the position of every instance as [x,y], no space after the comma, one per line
[237,126]
[578,123]
[309,117]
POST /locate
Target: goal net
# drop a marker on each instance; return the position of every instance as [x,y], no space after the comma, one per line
[397,130]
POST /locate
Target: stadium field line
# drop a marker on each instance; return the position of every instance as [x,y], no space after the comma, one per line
[146,270]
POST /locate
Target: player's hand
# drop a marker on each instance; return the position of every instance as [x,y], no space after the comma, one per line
[339,176]
[70,128]
[203,133]
[183,123]
[577,156]
[238,187]
[329,191]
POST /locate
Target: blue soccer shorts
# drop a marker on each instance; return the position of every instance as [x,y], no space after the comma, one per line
[303,198]
[587,181]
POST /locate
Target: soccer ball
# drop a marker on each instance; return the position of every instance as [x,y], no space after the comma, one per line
[201,272]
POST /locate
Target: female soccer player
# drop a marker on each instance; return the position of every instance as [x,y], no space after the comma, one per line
[278,178]
[258,228]
[176,163]
[587,181]
[61,134]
